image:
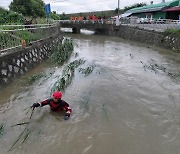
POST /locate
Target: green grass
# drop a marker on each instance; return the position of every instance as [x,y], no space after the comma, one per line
[11,39]
[173,32]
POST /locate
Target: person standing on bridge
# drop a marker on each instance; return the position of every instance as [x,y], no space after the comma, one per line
[56,104]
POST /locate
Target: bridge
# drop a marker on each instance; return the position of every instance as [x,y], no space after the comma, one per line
[110,26]
[99,27]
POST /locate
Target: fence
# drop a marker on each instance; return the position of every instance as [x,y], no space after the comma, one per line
[13,36]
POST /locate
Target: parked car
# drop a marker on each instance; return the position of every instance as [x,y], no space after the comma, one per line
[144,21]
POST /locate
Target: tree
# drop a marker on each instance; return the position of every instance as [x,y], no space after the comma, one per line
[54,15]
[134,6]
[10,17]
[28,7]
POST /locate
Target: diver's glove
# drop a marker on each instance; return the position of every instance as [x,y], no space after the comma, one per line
[67,116]
[35,105]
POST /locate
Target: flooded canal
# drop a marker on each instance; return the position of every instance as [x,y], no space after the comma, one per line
[125,99]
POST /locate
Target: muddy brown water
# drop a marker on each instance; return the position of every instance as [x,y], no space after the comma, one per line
[128,104]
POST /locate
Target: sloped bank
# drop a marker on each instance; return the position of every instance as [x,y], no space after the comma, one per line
[159,39]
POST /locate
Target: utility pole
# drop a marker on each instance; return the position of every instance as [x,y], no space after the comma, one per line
[118,9]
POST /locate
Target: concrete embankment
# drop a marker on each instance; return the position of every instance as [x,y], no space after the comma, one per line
[149,37]
[15,63]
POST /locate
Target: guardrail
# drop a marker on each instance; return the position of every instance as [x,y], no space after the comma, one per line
[13,36]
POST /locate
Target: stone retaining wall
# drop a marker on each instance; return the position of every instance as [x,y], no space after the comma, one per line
[16,63]
[149,37]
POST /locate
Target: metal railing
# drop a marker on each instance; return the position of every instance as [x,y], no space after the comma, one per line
[151,24]
[12,36]
[159,25]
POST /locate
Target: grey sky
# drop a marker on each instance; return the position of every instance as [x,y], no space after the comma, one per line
[74,6]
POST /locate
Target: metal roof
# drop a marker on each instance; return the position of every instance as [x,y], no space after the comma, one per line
[177,8]
[154,7]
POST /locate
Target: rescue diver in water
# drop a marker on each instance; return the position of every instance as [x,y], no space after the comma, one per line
[56,104]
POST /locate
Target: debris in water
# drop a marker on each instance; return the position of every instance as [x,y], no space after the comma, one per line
[19,124]
[105,113]
[21,139]
[131,55]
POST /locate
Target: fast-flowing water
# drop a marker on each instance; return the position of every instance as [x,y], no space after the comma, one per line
[128,102]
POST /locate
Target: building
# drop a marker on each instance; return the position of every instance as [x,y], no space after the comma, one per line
[162,10]
[173,13]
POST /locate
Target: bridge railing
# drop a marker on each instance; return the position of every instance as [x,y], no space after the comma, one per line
[13,36]
[102,21]
[145,23]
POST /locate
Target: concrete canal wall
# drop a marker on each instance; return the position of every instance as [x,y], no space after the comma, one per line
[15,63]
[149,37]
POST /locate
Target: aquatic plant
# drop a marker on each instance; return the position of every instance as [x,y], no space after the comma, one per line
[105,113]
[87,71]
[21,138]
[46,77]
[67,75]
[25,133]
[30,80]
[62,52]
[1,129]
[153,66]
[85,101]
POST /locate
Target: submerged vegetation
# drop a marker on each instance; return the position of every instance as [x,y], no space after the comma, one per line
[156,68]
[67,76]
[32,79]
[21,138]
[85,101]
[87,71]
[25,133]
[1,129]
[105,113]
[62,52]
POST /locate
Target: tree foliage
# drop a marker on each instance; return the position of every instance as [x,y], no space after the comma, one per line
[134,6]
[10,17]
[64,16]
[55,16]
[28,7]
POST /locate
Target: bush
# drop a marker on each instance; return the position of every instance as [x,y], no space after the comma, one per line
[10,17]
[14,17]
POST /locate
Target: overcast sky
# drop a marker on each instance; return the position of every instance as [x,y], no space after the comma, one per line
[74,6]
